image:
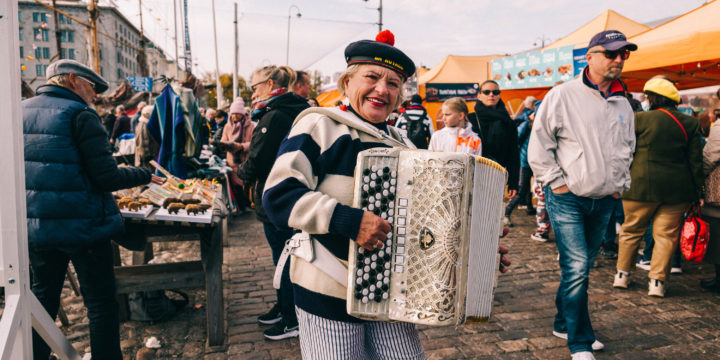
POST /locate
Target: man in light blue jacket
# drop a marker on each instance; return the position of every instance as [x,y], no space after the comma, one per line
[580,149]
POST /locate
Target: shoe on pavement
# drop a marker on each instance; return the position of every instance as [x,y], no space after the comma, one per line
[506,221]
[643,264]
[540,237]
[272,316]
[676,270]
[596,346]
[608,254]
[656,288]
[281,331]
[531,212]
[583,355]
[621,280]
[711,284]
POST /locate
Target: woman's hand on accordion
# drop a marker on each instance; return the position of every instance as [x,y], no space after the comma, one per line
[373,231]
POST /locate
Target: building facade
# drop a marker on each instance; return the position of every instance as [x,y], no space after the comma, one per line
[118,41]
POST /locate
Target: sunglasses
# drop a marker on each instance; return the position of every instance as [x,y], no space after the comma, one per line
[488,92]
[613,54]
[92,84]
[252,87]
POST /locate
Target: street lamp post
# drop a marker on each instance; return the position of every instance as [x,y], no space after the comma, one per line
[287,46]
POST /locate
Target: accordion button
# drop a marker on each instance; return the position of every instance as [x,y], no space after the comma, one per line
[401,221]
[381,253]
[374,168]
[373,257]
[373,265]
[378,204]
[372,274]
[387,264]
[386,170]
[379,172]
[372,288]
[393,182]
[386,280]
[366,187]
[358,296]
[367,261]
[388,242]
[371,296]
[385,192]
[401,231]
[399,259]
[383,199]
[364,203]
[377,211]
[393,174]
[366,268]
[392,190]
[384,215]
[378,298]
[358,281]
[379,277]
[366,172]
[366,179]
[359,272]
[398,269]
[386,273]
[366,276]
[365,291]
[400,249]
[378,188]
[386,258]
[364,299]
[403,203]
[391,212]
[385,295]
[371,191]
[402,212]
[386,177]
[365,283]
[358,288]
[378,285]
[371,207]
[390,219]
[372,184]
[401,240]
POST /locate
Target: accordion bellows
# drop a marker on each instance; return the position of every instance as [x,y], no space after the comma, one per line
[439,263]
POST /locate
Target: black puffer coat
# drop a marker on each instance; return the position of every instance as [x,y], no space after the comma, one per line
[499,138]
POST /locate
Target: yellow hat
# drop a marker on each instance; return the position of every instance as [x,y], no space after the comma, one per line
[664,88]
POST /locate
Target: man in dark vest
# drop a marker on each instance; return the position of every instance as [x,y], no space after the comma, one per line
[71,214]
[416,123]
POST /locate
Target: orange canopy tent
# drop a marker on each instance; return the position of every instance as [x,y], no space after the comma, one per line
[687,49]
[329,98]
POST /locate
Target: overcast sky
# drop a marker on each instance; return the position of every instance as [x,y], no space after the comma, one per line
[427,30]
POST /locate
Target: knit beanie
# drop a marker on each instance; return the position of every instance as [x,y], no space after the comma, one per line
[238,106]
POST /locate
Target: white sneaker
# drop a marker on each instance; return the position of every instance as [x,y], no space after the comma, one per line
[621,280]
[656,288]
[596,346]
[506,221]
[643,264]
[583,355]
[676,270]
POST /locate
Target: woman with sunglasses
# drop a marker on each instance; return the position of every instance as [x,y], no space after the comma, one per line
[498,133]
[274,108]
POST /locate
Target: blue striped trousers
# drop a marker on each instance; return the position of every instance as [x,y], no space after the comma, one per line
[325,339]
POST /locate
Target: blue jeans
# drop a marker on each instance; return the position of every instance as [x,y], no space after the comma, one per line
[579,224]
[276,238]
[94,267]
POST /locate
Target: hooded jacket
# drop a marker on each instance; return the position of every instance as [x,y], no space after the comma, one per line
[499,138]
[273,125]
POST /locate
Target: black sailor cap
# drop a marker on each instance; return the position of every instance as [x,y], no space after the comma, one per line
[380,51]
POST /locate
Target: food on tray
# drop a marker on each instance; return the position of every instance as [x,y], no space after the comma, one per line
[564,69]
[135,205]
[169,201]
[497,76]
[195,209]
[534,72]
[123,202]
[191,201]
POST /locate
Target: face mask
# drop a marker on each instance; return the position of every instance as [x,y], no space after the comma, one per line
[645,105]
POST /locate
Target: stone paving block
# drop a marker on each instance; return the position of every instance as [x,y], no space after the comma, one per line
[542,343]
[442,354]
[513,345]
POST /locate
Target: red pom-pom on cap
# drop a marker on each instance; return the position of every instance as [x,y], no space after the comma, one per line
[386,36]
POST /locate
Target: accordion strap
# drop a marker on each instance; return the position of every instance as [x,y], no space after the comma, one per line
[312,251]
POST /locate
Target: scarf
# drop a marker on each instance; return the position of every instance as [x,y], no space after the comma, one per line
[237,130]
[259,106]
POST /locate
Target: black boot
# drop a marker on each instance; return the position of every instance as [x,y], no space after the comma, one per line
[714,283]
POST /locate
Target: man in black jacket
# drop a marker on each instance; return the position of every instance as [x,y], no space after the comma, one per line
[71,214]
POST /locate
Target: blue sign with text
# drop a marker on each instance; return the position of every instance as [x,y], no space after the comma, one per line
[141,83]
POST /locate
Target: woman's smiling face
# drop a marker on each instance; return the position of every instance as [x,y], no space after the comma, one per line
[373,92]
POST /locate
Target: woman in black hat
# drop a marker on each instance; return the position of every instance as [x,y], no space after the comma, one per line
[310,189]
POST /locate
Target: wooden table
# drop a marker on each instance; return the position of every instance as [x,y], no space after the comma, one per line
[186,274]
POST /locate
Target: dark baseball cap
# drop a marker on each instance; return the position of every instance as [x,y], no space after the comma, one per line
[611,40]
[65,66]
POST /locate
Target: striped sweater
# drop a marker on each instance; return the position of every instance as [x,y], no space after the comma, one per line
[310,189]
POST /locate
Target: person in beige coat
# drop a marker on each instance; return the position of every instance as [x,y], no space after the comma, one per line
[711,213]
[146,148]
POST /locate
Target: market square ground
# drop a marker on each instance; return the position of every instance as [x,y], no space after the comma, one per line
[684,325]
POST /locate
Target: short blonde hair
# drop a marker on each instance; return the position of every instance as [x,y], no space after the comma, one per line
[60,80]
[457,104]
[353,69]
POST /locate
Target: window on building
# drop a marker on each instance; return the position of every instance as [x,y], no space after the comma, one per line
[119,74]
[71,54]
[21,36]
[64,19]
[118,57]
[100,53]
[39,17]
[38,53]
[39,70]
[102,71]
[63,53]
[41,34]
[46,53]
[19,16]
[67,35]
[22,52]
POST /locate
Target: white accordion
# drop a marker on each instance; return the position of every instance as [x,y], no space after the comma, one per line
[439,263]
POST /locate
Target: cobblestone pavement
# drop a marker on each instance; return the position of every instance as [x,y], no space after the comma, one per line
[684,325]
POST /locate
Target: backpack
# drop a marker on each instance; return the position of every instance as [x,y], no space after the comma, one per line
[154,306]
[416,131]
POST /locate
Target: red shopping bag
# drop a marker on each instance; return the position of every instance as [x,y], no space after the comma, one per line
[694,236]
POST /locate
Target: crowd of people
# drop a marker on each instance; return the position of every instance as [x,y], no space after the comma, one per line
[582,160]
